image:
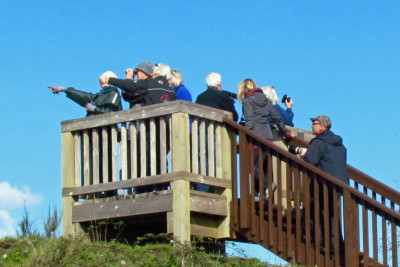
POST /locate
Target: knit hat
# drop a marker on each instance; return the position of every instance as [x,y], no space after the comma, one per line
[146,66]
[324,120]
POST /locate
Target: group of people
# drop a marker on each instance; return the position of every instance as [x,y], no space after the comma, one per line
[150,83]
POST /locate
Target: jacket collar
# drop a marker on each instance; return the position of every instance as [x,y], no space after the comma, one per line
[251,92]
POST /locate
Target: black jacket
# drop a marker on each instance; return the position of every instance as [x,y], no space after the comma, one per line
[146,91]
[327,152]
[108,100]
[214,98]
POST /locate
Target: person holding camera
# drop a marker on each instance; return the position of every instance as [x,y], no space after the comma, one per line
[107,100]
[286,115]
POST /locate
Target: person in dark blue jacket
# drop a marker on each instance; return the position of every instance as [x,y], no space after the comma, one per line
[286,115]
[182,93]
[327,152]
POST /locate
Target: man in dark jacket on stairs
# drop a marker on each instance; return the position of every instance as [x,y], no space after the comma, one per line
[108,100]
[327,152]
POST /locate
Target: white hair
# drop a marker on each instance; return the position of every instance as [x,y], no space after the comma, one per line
[176,78]
[270,93]
[162,70]
[213,79]
[109,74]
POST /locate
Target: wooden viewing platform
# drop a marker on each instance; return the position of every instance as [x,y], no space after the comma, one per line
[143,166]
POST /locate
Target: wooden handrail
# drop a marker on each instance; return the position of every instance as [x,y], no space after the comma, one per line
[356,204]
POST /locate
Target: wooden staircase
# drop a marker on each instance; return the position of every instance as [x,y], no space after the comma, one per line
[107,160]
[290,221]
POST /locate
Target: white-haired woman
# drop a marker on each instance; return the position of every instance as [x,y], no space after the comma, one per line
[286,115]
[108,100]
[182,93]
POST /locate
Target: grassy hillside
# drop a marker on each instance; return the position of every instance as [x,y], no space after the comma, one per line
[40,251]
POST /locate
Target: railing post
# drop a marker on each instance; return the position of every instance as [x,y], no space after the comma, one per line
[180,188]
[226,164]
[68,180]
[351,229]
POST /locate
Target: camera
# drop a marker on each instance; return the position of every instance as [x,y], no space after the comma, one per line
[297,150]
[284,98]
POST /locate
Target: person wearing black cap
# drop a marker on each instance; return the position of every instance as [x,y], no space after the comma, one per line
[148,89]
[327,152]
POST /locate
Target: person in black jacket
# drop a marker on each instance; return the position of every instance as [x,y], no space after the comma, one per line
[149,88]
[214,97]
[107,100]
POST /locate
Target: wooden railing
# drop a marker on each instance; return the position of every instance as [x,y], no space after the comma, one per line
[292,219]
[171,147]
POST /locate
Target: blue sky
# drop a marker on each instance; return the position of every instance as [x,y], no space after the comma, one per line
[338,58]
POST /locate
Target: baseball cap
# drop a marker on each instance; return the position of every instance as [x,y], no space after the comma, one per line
[324,120]
[146,66]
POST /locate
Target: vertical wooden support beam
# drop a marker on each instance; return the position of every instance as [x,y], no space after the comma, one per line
[350,230]
[68,180]
[226,168]
[181,188]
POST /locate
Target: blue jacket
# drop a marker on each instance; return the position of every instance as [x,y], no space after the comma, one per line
[286,115]
[182,93]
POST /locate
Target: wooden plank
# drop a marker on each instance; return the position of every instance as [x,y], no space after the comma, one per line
[114,153]
[122,208]
[180,175]
[181,188]
[310,261]
[336,227]
[211,149]
[225,173]
[105,156]
[86,158]
[203,153]
[153,147]
[317,221]
[163,145]
[95,156]
[395,243]
[235,200]
[202,225]
[113,118]
[244,211]
[384,236]
[133,133]
[68,145]
[299,256]
[365,231]
[374,231]
[143,149]
[123,152]
[195,146]
[181,210]
[218,151]
[208,205]
[279,222]
[77,159]
[326,216]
